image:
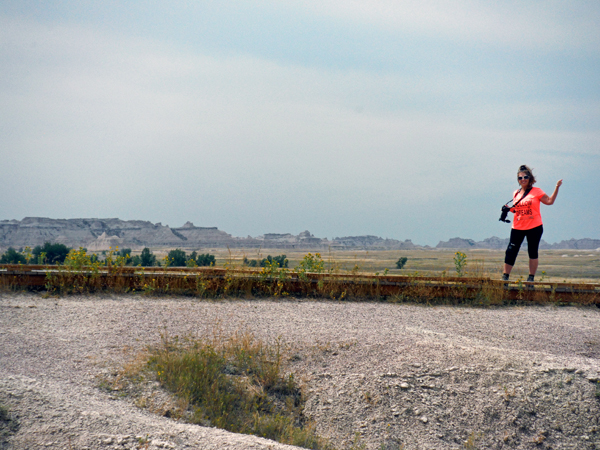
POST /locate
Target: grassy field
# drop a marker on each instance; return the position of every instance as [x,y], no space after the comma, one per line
[557,265]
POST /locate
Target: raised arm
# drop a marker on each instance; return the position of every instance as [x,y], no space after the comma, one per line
[550,200]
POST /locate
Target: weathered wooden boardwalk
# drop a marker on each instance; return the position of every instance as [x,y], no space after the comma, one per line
[215,280]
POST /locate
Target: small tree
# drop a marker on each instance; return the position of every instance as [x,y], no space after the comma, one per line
[205,260]
[12,257]
[54,253]
[281,260]
[401,262]
[250,262]
[147,258]
[177,258]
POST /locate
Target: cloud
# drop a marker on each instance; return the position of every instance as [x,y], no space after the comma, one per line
[549,25]
[112,93]
[132,126]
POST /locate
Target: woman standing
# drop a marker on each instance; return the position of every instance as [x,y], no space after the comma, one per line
[527,221]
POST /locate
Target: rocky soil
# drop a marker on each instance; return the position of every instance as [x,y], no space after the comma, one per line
[376,376]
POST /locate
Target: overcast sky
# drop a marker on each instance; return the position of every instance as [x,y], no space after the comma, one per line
[402,119]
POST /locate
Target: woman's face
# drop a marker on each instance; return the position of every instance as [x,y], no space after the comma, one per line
[523,179]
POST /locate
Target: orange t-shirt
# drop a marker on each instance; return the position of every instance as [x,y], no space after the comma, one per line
[527,212]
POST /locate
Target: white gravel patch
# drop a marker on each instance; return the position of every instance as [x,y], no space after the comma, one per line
[377,374]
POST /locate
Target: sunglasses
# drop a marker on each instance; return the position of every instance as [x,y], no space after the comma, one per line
[526,177]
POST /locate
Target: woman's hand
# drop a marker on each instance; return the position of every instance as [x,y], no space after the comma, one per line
[550,200]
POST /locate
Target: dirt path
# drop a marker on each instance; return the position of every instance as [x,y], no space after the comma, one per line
[378,375]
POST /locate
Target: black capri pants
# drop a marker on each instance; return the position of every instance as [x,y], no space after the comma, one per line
[534,236]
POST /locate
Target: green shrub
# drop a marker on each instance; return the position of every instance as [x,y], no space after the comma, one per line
[206,260]
[12,257]
[51,253]
[280,261]
[145,259]
[401,262]
[250,262]
[177,258]
[196,260]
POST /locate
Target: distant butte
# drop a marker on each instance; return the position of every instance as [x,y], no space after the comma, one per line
[102,234]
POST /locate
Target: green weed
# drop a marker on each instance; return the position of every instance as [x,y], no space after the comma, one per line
[460,263]
[311,263]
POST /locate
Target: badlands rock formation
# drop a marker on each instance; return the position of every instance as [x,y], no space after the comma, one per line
[102,234]
[501,244]
[372,242]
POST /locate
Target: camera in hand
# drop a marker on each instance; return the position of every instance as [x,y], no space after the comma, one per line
[505,211]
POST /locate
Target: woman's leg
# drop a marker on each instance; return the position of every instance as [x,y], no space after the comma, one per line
[516,239]
[534,236]
[533,265]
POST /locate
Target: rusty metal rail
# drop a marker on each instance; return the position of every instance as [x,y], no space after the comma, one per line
[325,284]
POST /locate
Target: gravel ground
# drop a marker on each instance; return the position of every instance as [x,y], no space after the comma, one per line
[376,375]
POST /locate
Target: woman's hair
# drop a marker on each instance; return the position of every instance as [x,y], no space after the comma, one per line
[525,169]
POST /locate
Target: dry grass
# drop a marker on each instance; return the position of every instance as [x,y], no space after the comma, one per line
[232,381]
[558,265]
